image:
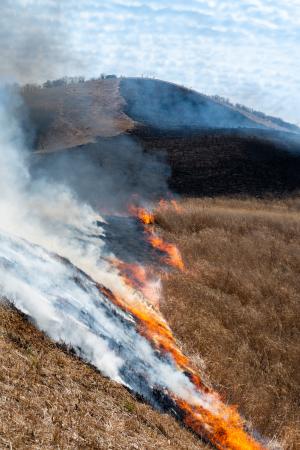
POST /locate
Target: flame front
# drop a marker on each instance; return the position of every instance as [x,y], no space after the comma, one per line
[143,215]
[141,279]
[171,253]
[217,422]
[173,256]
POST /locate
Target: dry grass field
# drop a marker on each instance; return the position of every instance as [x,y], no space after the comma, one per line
[50,400]
[236,307]
[235,311]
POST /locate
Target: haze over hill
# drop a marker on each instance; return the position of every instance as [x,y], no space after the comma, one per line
[212,147]
[164,105]
[80,112]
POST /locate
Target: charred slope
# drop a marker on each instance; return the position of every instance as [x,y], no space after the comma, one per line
[207,163]
[212,148]
[219,162]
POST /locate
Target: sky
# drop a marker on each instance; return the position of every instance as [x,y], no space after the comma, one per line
[247,51]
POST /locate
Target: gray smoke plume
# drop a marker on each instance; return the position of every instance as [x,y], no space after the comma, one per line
[52,262]
[107,174]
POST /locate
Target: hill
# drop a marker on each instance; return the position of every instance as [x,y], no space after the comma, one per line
[165,105]
[212,148]
[234,308]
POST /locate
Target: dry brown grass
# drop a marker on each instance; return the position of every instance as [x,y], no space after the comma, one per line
[51,400]
[237,303]
[236,306]
[76,114]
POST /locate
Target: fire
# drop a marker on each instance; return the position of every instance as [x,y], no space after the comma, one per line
[217,422]
[164,204]
[224,430]
[143,215]
[223,427]
[173,256]
[176,206]
[141,279]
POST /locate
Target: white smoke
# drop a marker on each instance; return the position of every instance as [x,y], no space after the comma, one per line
[48,215]
[44,213]
[41,220]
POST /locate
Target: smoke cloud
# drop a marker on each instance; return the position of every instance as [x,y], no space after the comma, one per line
[107,174]
[52,257]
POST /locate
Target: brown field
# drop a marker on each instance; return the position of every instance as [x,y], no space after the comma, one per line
[236,307]
[76,114]
[52,400]
[235,311]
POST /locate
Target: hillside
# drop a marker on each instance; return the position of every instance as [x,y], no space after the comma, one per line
[212,148]
[165,105]
[50,399]
[66,116]
[235,311]
[221,161]
[104,267]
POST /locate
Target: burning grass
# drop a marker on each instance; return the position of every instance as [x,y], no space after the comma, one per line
[237,303]
[234,304]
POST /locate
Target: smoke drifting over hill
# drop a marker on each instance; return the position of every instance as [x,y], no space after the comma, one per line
[107,175]
[52,218]
[56,268]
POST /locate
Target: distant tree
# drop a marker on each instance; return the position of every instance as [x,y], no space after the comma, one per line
[30,87]
[47,84]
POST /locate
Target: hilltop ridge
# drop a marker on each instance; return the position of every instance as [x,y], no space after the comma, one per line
[211,148]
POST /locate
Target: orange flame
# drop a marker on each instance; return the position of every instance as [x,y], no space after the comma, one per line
[176,206]
[146,217]
[224,428]
[141,279]
[221,424]
[164,204]
[173,256]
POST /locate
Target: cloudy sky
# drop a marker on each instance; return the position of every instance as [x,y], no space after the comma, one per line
[246,50]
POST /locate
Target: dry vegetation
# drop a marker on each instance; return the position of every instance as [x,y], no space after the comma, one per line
[237,304]
[76,114]
[51,400]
